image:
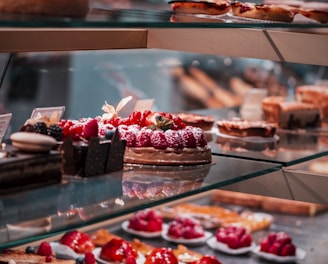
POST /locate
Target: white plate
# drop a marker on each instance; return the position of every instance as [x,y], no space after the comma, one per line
[300,254]
[214,244]
[125,226]
[140,260]
[193,241]
[63,251]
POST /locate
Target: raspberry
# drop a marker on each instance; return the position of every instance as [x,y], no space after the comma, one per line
[173,139]
[158,140]
[89,258]
[127,135]
[199,137]
[44,249]
[143,138]
[188,139]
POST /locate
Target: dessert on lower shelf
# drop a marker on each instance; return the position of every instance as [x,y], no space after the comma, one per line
[279,244]
[78,241]
[314,94]
[291,114]
[235,237]
[280,13]
[315,10]
[244,128]
[201,7]
[73,8]
[161,255]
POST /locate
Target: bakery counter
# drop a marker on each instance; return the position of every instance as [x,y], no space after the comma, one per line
[77,202]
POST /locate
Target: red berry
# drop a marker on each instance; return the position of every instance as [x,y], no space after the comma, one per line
[44,249]
[232,241]
[49,258]
[117,250]
[90,129]
[206,260]
[78,241]
[245,240]
[265,245]
[161,256]
[275,248]
[199,137]
[143,138]
[89,258]
[173,139]
[128,135]
[188,139]
[158,140]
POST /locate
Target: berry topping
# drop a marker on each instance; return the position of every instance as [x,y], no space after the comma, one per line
[173,139]
[56,132]
[199,137]
[185,227]
[188,138]
[79,260]
[44,249]
[143,137]
[234,236]
[206,260]
[158,140]
[128,135]
[157,120]
[279,244]
[161,256]
[89,258]
[78,241]
[41,128]
[90,129]
[117,250]
[146,220]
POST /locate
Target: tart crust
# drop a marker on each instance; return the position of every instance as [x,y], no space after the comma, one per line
[152,156]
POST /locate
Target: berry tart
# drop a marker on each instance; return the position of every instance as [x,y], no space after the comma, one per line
[164,136]
[186,230]
[118,250]
[232,240]
[145,223]
[73,245]
[279,246]
[160,256]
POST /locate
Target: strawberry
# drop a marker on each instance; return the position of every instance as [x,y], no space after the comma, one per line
[78,241]
[206,260]
[117,250]
[156,120]
[275,248]
[158,140]
[221,236]
[173,139]
[288,250]
[44,249]
[245,240]
[161,256]
[188,139]
[232,241]
[90,129]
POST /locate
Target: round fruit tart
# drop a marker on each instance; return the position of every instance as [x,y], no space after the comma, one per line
[118,250]
[145,223]
[185,230]
[232,240]
[279,247]
[158,138]
[161,256]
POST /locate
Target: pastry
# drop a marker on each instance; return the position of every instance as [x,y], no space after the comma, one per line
[73,8]
[317,11]
[280,13]
[80,242]
[245,128]
[32,142]
[201,7]
[197,120]
[314,94]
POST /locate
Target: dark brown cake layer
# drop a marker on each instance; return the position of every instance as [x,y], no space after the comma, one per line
[24,171]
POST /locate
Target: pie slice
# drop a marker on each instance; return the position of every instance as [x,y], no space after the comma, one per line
[281,13]
[201,7]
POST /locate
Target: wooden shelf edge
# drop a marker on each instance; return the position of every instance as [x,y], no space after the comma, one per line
[58,39]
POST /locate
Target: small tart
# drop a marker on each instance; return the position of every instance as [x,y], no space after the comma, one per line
[280,13]
[201,7]
[197,120]
[152,156]
[245,128]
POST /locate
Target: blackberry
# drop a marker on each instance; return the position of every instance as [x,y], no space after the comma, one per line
[56,132]
[41,128]
[30,250]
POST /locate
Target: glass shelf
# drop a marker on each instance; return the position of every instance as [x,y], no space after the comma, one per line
[150,16]
[38,213]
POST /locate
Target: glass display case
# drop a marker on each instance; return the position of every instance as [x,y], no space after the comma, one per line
[140,51]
